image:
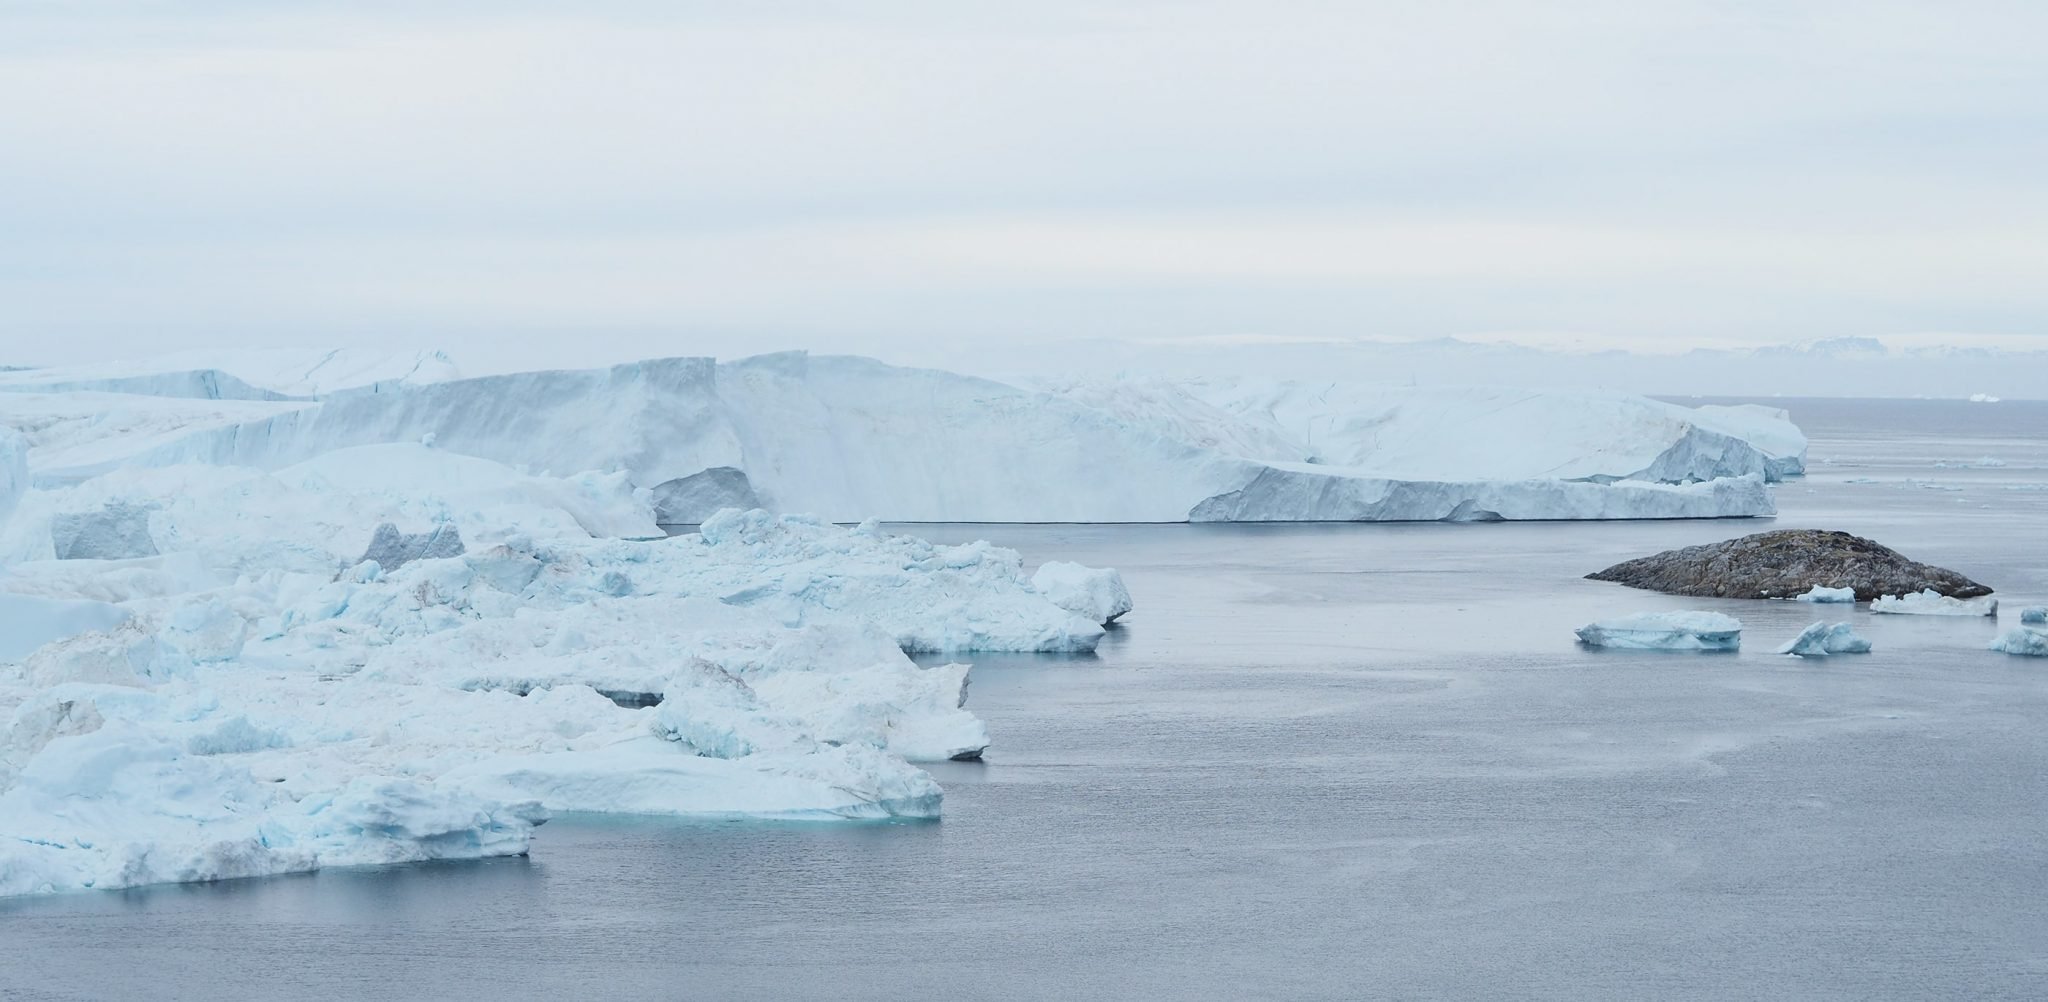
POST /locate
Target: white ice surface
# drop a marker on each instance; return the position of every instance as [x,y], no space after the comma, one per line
[78,434]
[28,621]
[1822,593]
[1666,631]
[1097,593]
[1933,603]
[239,373]
[226,687]
[1823,639]
[2023,640]
[261,707]
[849,438]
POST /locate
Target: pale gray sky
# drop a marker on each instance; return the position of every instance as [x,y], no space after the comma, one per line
[835,175]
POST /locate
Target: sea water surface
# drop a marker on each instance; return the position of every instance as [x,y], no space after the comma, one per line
[1319,761]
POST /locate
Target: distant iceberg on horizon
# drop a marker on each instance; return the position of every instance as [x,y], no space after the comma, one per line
[848,438]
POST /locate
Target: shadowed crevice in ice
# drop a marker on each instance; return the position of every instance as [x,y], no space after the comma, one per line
[692,499]
[392,549]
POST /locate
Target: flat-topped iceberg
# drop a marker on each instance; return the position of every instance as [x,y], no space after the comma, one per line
[849,438]
[1666,631]
[1822,593]
[1454,433]
[1932,603]
[2023,640]
[1822,639]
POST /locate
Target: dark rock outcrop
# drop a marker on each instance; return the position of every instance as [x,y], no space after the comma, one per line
[392,549]
[1786,563]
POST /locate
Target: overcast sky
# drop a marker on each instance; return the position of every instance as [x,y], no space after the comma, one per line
[834,175]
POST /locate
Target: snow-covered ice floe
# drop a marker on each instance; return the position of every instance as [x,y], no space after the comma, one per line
[1666,631]
[1933,603]
[1821,593]
[848,438]
[1823,639]
[2023,640]
[259,692]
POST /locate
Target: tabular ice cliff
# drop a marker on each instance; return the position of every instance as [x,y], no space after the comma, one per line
[850,438]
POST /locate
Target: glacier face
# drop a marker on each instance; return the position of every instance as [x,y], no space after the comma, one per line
[851,438]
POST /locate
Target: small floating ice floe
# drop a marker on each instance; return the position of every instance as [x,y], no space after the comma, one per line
[2022,640]
[1666,631]
[1821,593]
[1095,592]
[1934,603]
[1823,639]
[2034,615]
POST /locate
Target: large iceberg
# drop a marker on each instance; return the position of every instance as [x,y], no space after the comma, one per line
[1933,603]
[1452,433]
[1666,631]
[849,438]
[262,693]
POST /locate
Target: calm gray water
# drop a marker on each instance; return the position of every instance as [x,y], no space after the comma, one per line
[1318,762]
